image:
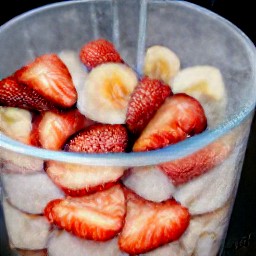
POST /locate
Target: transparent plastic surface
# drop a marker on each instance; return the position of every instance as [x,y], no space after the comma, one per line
[199,37]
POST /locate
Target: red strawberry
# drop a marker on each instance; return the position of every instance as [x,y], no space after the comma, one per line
[179,117]
[14,94]
[79,180]
[99,138]
[146,98]
[182,170]
[149,225]
[98,52]
[53,129]
[98,216]
[49,76]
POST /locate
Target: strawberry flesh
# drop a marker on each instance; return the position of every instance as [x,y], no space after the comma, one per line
[183,170]
[97,217]
[79,180]
[51,130]
[179,117]
[98,52]
[149,225]
[15,94]
[99,138]
[147,97]
[49,77]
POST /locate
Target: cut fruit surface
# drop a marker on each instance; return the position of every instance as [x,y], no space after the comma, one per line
[145,100]
[97,217]
[16,123]
[179,117]
[49,77]
[200,80]
[53,129]
[161,63]
[25,231]
[149,225]
[97,52]
[106,92]
[79,180]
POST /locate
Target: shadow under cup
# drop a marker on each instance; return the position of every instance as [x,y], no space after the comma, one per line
[198,37]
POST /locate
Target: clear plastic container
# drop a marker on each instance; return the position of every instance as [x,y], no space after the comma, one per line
[199,37]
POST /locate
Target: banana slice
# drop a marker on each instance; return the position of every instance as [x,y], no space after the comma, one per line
[106,92]
[161,63]
[206,84]
[16,123]
[200,80]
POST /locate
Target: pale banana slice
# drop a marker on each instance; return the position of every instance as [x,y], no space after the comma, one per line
[161,63]
[16,123]
[106,92]
[206,84]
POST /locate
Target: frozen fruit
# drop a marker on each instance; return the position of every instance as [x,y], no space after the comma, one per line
[49,77]
[76,68]
[98,216]
[79,180]
[146,98]
[106,92]
[179,117]
[25,231]
[51,130]
[161,63]
[19,95]
[63,243]
[184,169]
[98,52]
[150,183]
[198,80]
[30,193]
[99,138]
[16,123]
[149,225]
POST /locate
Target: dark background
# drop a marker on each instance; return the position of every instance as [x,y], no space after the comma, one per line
[241,237]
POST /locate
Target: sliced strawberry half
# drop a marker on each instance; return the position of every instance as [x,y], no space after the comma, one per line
[79,180]
[179,117]
[98,52]
[100,138]
[52,129]
[98,216]
[149,225]
[182,170]
[15,94]
[50,77]
[145,100]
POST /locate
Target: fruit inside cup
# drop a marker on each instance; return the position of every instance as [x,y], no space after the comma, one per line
[94,102]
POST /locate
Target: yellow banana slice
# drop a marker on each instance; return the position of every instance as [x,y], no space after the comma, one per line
[16,123]
[161,63]
[200,80]
[206,84]
[106,92]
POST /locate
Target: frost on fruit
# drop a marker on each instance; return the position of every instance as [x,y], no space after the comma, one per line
[106,92]
[161,63]
[25,231]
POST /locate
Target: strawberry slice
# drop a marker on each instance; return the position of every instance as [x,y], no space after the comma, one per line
[98,52]
[14,94]
[149,225]
[79,180]
[50,77]
[98,216]
[51,130]
[179,117]
[182,170]
[99,138]
[146,98]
